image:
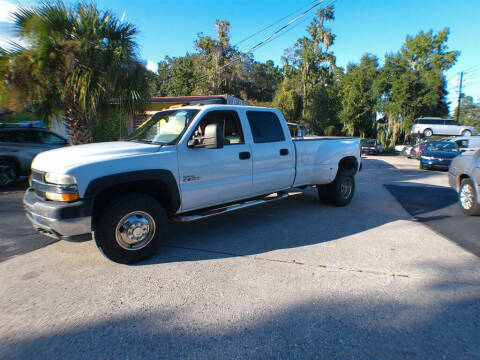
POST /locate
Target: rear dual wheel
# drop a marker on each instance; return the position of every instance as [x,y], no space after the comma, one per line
[131,228]
[340,191]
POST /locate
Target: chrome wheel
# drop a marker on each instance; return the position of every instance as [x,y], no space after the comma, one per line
[428,133]
[346,187]
[8,173]
[135,230]
[467,133]
[466,197]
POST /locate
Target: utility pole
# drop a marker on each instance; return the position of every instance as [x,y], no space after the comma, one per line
[459,96]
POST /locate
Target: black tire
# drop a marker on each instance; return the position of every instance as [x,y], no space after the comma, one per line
[110,232]
[427,132]
[467,198]
[8,172]
[466,133]
[335,193]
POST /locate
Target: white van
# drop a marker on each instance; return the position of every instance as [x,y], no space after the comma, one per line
[438,126]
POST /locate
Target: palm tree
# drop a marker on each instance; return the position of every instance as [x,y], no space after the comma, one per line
[78,60]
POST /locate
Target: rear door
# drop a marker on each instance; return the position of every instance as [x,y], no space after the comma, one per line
[272,152]
[214,176]
[450,127]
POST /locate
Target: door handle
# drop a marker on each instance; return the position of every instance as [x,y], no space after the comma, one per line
[283,152]
[244,155]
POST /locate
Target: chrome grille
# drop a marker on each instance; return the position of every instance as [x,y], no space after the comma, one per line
[37,175]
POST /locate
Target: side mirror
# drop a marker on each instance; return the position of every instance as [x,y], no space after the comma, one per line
[213,138]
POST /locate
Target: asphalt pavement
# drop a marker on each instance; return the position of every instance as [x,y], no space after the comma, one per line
[17,235]
[291,279]
[437,208]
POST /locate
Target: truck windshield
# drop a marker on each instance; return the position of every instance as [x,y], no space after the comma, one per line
[165,127]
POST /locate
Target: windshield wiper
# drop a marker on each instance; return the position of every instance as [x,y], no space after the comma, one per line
[147,142]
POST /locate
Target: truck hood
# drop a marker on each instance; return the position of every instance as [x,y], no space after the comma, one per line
[59,160]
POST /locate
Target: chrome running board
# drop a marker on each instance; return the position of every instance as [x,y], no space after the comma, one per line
[226,209]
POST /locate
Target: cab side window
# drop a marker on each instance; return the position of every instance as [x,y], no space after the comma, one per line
[462,144]
[28,136]
[232,129]
[265,127]
[51,139]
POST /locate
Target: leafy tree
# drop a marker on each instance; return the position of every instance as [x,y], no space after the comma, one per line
[359,99]
[77,60]
[289,102]
[311,56]
[412,84]
[469,113]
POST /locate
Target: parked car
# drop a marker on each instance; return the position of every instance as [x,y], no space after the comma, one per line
[438,126]
[186,164]
[370,146]
[467,144]
[438,155]
[418,149]
[464,177]
[18,147]
[407,151]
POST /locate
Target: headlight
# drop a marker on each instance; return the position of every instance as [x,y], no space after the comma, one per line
[60,179]
[427,157]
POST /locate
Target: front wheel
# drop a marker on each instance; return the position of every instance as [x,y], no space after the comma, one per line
[467,198]
[8,172]
[340,191]
[131,229]
[466,133]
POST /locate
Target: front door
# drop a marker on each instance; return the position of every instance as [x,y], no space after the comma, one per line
[215,176]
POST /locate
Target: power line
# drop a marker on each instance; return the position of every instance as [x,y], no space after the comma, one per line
[275,23]
[268,38]
[471,68]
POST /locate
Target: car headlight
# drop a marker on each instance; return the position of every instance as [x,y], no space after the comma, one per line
[427,157]
[60,179]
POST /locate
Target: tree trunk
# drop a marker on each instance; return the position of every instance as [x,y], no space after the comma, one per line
[78,128]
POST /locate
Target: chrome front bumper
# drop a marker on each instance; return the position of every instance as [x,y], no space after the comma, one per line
[58,220]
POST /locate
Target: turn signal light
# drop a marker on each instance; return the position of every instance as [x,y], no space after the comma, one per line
[61,197]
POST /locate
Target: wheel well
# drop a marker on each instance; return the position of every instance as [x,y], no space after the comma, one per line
[13,160]
[349,162]
[460,178]
[154,188]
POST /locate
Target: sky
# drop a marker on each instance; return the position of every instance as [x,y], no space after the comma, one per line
[170,27]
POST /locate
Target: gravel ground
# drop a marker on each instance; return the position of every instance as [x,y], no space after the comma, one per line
[291,279]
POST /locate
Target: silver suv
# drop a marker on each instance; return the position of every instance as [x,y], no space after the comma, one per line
[464,177]
[439,126]
[18,147]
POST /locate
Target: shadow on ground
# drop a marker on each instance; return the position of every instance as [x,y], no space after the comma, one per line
[436,207]
[298,221]
[320,328]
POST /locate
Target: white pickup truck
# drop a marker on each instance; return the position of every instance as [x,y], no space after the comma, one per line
[184,163]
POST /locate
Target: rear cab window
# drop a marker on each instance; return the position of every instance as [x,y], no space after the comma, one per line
[265,127]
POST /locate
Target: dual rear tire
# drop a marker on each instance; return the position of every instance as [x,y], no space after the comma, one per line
[340,191]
